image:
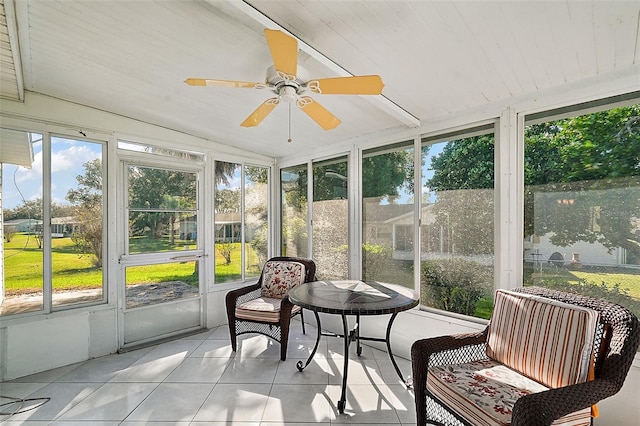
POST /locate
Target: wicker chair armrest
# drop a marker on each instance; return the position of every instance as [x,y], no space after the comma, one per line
[453,349]
[447,349]
[235,297]
[543,408]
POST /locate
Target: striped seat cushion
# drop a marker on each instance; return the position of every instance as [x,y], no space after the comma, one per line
[278,277]
[548,341]
[484,392]
[265,309]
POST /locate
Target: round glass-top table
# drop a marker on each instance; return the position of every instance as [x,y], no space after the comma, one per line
[357,298]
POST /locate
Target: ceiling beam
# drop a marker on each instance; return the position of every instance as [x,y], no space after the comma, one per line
[382,102]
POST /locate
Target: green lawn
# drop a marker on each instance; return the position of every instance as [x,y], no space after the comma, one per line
[165,272]
[71,270]
[228,272]
[627,279]
[24,263]
[617,284]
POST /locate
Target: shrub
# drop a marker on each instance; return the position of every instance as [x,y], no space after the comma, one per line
[375,260]
[455,285]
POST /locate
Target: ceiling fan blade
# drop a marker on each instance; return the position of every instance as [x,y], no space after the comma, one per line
[357,85]
[284,51]
[223,83]
[318,113]
[260,113]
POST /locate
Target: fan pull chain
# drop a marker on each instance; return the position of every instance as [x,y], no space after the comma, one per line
[289,140]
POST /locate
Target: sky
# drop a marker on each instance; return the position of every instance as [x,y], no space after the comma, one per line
[67,159]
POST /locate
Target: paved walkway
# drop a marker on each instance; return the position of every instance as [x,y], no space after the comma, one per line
[137,295]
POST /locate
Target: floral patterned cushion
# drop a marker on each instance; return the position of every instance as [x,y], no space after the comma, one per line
[484,392]
[281,276]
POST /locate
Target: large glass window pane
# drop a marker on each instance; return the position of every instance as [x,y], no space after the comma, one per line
[387,211]
[241,226]
[228,221]
[582,204]
[457,224]
[256,219]
[295,237]
[162,210]
[21,183]
[76,221]
[330,219]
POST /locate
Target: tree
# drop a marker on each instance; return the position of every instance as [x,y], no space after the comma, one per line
[89,190]
[225,249]
[582,179]
[596,169]
[172,204]
[463,178]
[29,209]
[257,216]
[87,200]
[32,209]
[227,200]
[385,174]
[62,210]
[257,174]
[152,188]
[9,232]
[225,171]
[294,214]
[87,235]
[465,164]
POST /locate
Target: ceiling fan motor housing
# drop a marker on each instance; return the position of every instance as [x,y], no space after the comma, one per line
[288,87]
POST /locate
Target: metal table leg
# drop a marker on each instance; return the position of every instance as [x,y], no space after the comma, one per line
[301,366]
[357,329]
[409,382]
[343,397]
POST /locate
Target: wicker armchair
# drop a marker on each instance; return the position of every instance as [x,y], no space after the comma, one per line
[264,307]
[615,341]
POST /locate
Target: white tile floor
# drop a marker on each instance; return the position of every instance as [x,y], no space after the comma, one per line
[198,380]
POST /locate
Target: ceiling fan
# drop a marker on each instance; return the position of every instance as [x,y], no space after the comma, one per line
[288,81]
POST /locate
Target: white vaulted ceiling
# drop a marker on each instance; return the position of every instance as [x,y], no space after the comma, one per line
[437,59]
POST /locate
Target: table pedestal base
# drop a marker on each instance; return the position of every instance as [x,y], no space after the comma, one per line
[350,336]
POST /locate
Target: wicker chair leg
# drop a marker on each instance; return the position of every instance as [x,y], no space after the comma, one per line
[284,340]
[419,367]
[232,335]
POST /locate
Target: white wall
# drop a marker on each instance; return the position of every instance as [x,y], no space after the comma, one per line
[35,342]
[589,253]
[43,342]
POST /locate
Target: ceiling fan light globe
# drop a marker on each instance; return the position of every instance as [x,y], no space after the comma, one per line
[288,94]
